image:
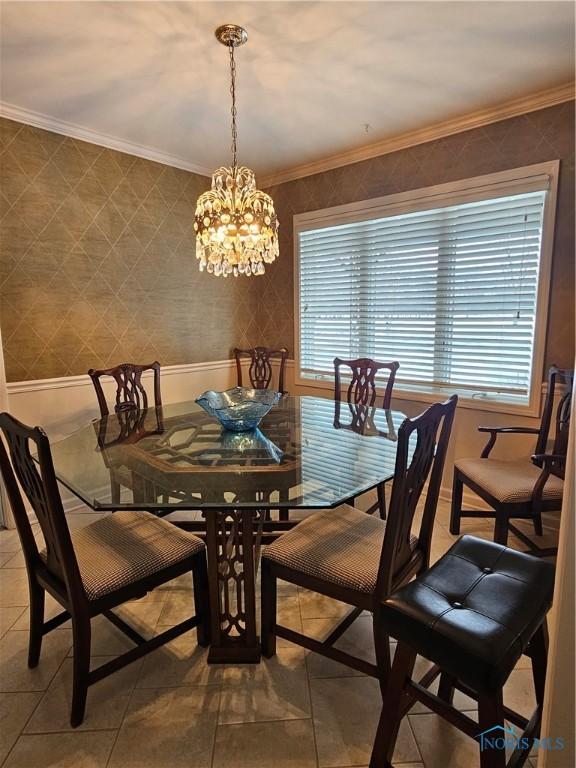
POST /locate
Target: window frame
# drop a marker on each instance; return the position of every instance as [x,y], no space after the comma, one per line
[509,182]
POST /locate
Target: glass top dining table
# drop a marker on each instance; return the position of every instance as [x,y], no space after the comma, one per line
[308,453]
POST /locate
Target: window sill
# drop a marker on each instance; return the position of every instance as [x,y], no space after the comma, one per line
[465,400]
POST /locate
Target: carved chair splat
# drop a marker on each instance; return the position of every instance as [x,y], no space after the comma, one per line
[361,395]
[130,396]
[130,391]
[261,369]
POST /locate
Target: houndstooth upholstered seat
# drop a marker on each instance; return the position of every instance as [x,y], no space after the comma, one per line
[341,546]
[509,481]
[125,547]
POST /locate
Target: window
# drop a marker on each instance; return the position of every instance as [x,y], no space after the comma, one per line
[450,281]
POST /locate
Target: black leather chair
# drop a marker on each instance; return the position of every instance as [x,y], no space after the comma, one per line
[473,614]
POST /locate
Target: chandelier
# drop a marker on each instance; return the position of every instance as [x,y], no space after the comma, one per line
[235,223]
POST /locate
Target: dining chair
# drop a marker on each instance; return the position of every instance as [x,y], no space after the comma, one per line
[520,488]
[360,395]
[261,370]
[360,559]
[473,615]
[130,391]
[94,569]
[130,395]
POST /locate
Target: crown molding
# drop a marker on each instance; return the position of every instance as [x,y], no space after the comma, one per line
[514,108]
[74,131]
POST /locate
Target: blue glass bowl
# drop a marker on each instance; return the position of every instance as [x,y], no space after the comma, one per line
[253,442]
[239,409]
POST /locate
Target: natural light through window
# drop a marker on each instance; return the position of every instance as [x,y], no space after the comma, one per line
[450,290]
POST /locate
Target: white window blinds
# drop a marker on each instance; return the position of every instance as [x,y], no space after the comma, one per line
[449,292]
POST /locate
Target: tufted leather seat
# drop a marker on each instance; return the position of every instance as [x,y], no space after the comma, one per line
[475,611]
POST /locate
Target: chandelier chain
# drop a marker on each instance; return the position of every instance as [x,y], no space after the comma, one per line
[233,109]
[235,223]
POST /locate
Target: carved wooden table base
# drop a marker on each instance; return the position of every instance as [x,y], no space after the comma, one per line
[233,546]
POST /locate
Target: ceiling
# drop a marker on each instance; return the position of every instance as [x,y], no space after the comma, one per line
[315,79]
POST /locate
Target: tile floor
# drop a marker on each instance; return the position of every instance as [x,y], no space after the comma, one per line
[171,709]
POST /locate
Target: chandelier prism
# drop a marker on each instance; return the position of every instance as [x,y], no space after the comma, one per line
[235,223]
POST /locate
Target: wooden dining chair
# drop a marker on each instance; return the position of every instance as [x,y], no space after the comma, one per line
[130,391]
[360,395]
[130,395]
[357,558]
[94,569]
[261,370]
[520,488]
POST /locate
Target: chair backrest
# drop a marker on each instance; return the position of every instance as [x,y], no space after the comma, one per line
[260,371]
[429,434]
[559,416]
[362,387]
[38,481]
[363,420]
[128,427]
[130,392]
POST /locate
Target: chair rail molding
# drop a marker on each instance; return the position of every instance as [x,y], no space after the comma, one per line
[81,380]
[61,405]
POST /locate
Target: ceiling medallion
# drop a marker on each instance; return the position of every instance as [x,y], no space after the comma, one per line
[235,223]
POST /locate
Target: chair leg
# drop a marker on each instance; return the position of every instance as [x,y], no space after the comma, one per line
[539,653]
[268,608]
[537,522]
[81,633]
[201,599]
[490,715]
[115,491]
[36,623]
[446,688]
[389,724]
[456,508]
[500,528]
[382,649]
[381,490]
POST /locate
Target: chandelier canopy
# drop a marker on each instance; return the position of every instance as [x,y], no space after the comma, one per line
[235,223]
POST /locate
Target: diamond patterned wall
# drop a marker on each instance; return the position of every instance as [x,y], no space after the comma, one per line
[547,134]
[98,262]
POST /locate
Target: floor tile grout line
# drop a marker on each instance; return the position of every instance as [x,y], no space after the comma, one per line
[309,681]
[128,701]
[40,700]
[112,748]
[409,724]
[216,726]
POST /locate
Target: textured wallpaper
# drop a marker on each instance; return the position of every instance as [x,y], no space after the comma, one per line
[533,138]
[97,261]
[98,264]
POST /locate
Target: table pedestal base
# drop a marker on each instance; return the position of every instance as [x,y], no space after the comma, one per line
[233,553]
